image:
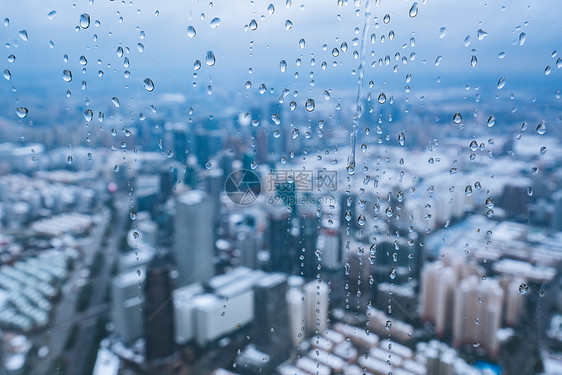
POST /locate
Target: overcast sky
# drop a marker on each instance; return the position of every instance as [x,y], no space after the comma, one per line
[169,53]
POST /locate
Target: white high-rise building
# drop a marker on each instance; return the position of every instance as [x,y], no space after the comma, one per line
[193,237]
[316,306]
[127,299]
[436,297]
[296,308]
[478,313]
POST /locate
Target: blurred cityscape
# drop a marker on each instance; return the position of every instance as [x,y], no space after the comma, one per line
[224,231]
[434,258]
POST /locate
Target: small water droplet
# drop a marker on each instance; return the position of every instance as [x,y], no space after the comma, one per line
[283,65]
[115,101]
[481,34]
[270,9]
[52,15]
[541,128]
[288,25]
[442,32]
[523,288]
[382,98]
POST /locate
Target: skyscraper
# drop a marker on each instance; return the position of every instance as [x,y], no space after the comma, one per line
[316,306]
[159,313]
[280,252]
[193,235]
[308,223]
[272,334]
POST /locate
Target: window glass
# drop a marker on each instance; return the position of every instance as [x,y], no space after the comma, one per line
[294,187]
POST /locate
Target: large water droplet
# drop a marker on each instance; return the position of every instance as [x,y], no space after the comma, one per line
[84,20]
[310,105]
[148,84]
[481,34]
[21,112]
[270,9]
[457,118]
[442,32]
[413,10]
[191,31]
[23,35]
[283,65]
[115,101]
[88,115]
[382,98]
[491,121]
[215,22]
[288,25]
[67,75]
[522,38]
[210,58]
[541,128]
[253,25]
[7,74]
[501,83]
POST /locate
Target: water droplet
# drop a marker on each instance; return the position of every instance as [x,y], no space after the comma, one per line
[468,190]
[382,98]
[481,34]
[191,31]
[388,212]
[197,65]
[302,43]
[491,122]
[473,61]
[522,38]
[215,22]
[386,18]
[335,52]
[413,10]
[283,65]
[457,118]
[310,104]
[7,74]
[21,112]
[489,203]
[210,58]
[253,25]
[442,32]
[523,288]
[543,150]
[288,25]
[148,84]
[541,128]
[84,20]
[133,216]
[120,52]
[67,75]
[547,70]
[401,139]
[88,115]
[23,35]
[11,58]
[115,102]
[270,9]
[52,15]
[140,47]
[262,89]
[467,41]
[501,83]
